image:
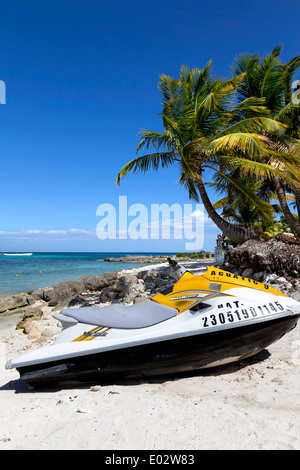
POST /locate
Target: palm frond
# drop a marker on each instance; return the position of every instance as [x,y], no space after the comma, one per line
[287,77]
[255,168]
[254,124]
[263,208]
[221,203]
[155,139]
[189,185]
[252,144]
[143,164]
[169,88]
[250,107]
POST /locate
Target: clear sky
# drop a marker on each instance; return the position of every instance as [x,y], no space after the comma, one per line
[81,80]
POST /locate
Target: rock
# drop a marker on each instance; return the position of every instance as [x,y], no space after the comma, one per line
[150,275]
[107,295]
[70,293]
[142,274]
[21,325]
[12,301]
[32,312]
[270,278]
[281,280]
[97,283]
[50,331]
[37,294]
[247,272]
[95,388]
[258,276]
[128,279]
[288,238]
[33,329]
[279,255]
[133,293]
[30,300]
[61,294]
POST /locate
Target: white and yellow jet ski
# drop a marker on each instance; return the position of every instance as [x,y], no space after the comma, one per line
[201,321]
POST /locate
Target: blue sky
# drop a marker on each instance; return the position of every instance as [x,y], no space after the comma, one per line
[81,80]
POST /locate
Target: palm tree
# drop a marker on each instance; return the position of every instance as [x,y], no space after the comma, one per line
[271,80]
[235,206]
[205,130]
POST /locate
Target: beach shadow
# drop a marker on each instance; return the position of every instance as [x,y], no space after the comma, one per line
[17,385]
[20,386]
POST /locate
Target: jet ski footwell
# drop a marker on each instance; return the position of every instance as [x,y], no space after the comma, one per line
[163,357]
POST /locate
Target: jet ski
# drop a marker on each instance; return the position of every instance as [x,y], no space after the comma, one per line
[200,321]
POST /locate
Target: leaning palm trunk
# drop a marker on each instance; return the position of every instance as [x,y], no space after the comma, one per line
[295,226]
[297,199]
[233,232]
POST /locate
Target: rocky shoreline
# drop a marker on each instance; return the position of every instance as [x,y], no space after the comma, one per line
[35,308]
[254,259]
[143,259]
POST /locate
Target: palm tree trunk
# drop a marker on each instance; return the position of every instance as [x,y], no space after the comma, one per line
[297,199]
[233,232]
[295,226]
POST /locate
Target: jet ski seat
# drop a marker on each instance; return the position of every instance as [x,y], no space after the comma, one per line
[139,315]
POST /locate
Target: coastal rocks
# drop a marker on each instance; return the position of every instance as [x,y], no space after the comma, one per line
[275,262]
[69,292]
[33,313]
[124,287]
[278,282]
[96,283]
[41,330]
[130,288]
[38,323]
[247,272]
[280,255]
[12,301]
[60,294]
[138,259]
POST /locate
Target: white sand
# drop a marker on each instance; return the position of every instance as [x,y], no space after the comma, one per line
[254,406]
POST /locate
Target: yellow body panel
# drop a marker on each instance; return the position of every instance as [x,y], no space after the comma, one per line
[191,288]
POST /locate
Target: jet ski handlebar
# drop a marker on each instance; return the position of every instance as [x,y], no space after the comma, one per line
[176,270]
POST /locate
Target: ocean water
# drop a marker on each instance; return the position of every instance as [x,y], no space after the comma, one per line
[23,273]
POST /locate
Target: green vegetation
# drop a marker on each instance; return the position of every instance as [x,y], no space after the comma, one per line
[245,130]
[195,255]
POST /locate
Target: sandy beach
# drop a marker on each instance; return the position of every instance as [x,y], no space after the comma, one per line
[252,404]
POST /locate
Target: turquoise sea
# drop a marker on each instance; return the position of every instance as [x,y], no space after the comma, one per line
[21,272]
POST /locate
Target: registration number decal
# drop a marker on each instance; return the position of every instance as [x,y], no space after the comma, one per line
[239,314]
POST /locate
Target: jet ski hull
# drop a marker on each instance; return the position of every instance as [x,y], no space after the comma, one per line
[178,355]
